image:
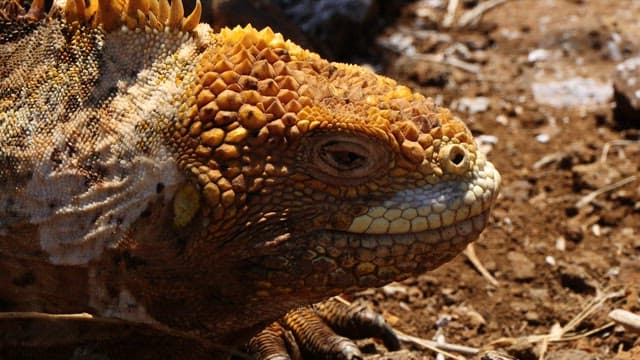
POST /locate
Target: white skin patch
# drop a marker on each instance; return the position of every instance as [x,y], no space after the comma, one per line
[78,232]
[88,220]
[87,170]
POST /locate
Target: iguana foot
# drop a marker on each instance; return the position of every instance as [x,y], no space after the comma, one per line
[323,330]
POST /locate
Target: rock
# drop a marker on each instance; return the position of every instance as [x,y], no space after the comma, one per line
[539,294]
[414,294]
[628,233]
[343,26]
[258,13]
[575,278]
[521,267]
[522,350]
[338,29]
[626,86]
[573,92]
[573,230]
[532,317]
[451,296]
[473,105]
[486,142]
[628,319]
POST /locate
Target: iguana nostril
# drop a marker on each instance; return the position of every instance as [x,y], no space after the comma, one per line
[454,158]
[457,158]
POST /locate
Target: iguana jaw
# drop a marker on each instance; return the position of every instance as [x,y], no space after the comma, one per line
[331,260]
[337,261]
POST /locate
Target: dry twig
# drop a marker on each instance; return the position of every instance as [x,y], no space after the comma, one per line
[451,13]
[609,144]
[564,333]
[44,316]
[441,348]
[470,253]
[592,195]
[472,16]
[447,60]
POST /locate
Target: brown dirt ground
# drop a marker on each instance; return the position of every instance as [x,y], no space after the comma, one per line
[550,257]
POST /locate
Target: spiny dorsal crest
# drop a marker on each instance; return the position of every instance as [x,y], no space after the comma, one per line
[114,14]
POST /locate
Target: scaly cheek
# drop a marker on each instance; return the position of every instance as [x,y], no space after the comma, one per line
[328,262]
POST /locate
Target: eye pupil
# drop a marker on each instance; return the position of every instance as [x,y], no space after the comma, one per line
[344,159]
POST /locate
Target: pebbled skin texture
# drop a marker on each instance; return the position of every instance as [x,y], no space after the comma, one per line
[205,183]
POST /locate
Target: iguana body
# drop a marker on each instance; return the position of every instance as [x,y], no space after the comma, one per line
[154,171]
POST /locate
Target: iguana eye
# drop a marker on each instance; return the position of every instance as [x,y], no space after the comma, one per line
[345,158]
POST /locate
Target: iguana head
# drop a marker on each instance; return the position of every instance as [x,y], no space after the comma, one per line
[321,177]
[222,178]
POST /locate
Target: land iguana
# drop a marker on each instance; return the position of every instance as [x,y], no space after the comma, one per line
[161,180]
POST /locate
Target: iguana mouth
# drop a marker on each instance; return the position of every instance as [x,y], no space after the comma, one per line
[431,207]
[338,261]
[403,249]
[463,228]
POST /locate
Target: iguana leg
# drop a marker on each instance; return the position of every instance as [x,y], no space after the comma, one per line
[275,343]
[321,331]
[356,322]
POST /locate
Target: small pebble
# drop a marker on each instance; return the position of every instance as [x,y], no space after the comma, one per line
[521,266]
[550,260]
[628,319]
[543,138]
[573,92]
[538,55]
[473,105]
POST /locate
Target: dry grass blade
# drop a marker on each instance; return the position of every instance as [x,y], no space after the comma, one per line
[470,253]
[441,348]
[592,195]
[571,336]
[607,146]
[31,315]
[472,17]
[451,13]
[592,306]
[563,333]
[446,60]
